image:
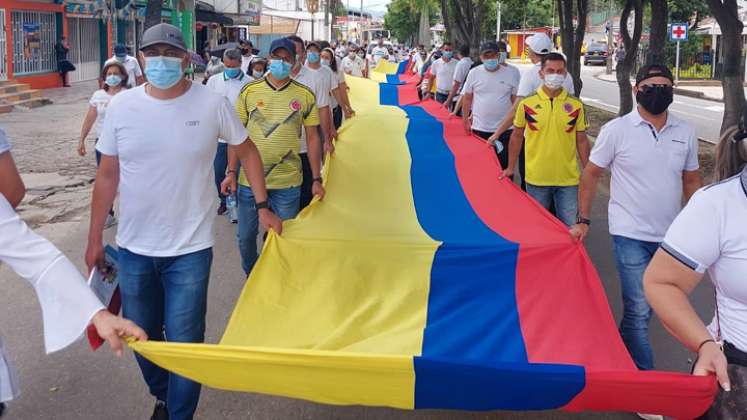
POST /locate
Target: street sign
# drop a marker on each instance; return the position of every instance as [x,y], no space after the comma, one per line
[678,32]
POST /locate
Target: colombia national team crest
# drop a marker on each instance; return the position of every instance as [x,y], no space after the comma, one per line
[295,105]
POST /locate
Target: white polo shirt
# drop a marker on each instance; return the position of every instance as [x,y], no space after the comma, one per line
[378,52]
[462,69]
[166,150]
[318,81]
[246,61]
[228,88]
[444,72]
[646,188]
[353,66]
[531,81]
[492,91]
[710,234]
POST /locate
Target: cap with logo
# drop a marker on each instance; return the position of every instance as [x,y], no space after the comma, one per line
[489,46]
[284,43]
[120,50]
[540,43]
[163,33]
[653,70]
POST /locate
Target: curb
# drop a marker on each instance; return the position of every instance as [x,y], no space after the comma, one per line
[678,91]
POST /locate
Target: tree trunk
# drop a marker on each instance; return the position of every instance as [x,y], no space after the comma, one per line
[463,20]
[424,27]
[658,40]
[625,67]
[572,38]
[152,13]
[727,16]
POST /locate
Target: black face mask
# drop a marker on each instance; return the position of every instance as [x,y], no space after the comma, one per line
[655,99]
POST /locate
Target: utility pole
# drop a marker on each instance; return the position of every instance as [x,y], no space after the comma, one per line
[610,37]
[498,22]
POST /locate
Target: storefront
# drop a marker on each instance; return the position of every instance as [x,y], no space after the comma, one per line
[87,35]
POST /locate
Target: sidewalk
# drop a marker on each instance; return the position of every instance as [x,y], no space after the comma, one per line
[711,93]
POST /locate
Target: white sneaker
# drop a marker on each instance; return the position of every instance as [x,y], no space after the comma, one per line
[110,221]
[650,416]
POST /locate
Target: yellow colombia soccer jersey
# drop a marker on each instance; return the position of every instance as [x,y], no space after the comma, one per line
[275,118]
[550,127]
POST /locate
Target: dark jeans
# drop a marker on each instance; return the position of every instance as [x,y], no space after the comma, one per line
[504,139]
[219,167]
[337,116]
[632,257]
[441,97]
[284,203]
[167,297]
[98,163]
[308,180]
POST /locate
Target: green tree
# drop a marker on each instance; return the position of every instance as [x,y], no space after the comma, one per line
[516,14]
[692,11]
[403,16]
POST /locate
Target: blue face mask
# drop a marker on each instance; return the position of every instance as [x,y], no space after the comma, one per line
[313,57]
[448,54]
[258,74]
[113,80]
[325,62]
[163,72]
[232,73]
[491,64]
[279,69]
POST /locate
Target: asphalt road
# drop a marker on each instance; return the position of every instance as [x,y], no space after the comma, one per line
[703,114]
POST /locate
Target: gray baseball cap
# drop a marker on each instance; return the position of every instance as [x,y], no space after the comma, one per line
[163,33]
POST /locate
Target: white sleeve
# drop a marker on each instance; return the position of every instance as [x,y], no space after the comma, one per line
[693,237]
[138,70]
[469,84]
[515,82]
[460,74]
[67,303]
[231,129]
[692,164]
[107,144]
[4,142]
[603,152]
[434,67]
[568,85]
[322,92]
[526,84]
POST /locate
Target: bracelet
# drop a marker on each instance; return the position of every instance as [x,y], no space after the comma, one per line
[230,171]
[318,179]
[710,340]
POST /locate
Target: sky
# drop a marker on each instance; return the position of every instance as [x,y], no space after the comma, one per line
[376,6]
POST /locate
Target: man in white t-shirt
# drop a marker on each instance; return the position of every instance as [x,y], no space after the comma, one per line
[227,84]
[460,75]
[319,80]
[247,55]
[653,157]
[379,51]
[134,73]
[158,145]
[489,95]
[352,64]
[442,72]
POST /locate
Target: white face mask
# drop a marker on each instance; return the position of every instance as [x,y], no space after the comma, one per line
[554,81]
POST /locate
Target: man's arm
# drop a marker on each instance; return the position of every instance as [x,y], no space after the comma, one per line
[325,121]
[315,159]
[248,154]
[583,146]
[586,191]
[454,89]
[508,120]
[691,182]
[466,111]
[514,148]
[11,184]
[104,192]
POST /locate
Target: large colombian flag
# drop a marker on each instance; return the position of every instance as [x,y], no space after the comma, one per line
[424,281]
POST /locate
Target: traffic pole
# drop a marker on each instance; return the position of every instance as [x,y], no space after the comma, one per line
[677,65]
[498,23]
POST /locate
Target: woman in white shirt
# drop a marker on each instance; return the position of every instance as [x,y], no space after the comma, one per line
[710,234]
[68,305]
[114,78]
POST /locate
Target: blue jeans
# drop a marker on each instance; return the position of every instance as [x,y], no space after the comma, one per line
[441,97]
[632,257]
[219,167]
[283,202]
[167,297]
[565,200]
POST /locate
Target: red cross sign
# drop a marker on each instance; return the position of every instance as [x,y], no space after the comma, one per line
[679,32]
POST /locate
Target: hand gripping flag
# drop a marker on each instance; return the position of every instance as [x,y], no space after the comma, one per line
[424,281]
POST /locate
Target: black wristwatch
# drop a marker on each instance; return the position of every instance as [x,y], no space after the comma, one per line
[581,221]
[318,179]
[262,205]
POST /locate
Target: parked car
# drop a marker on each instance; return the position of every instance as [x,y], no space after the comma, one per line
[596,54]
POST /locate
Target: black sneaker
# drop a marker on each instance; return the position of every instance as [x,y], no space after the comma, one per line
[222,209]
[160,412]
[2,409]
